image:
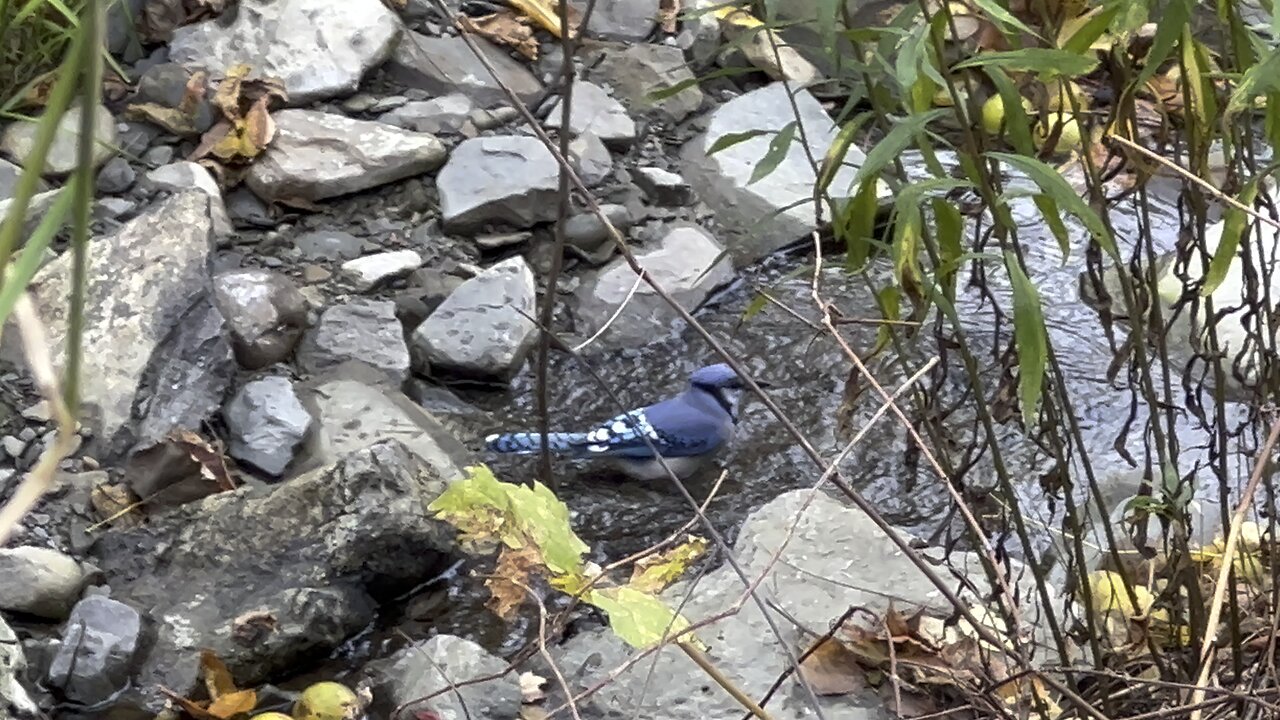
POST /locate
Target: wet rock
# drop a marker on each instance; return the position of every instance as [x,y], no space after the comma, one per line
[500,179]
[372,271]
[328,245]
[13,667]
[592,110]
[445,66]
[444,115]
[365,330]
[742,645]
[142,281]
[620,19]
[272,577]
[185,175]
[9,174]
[355,405]
[688,263]
[585,231]
[267,423]
[318,155]
[39,581]
[663,187]
[479,330]
[635,71]
[426,667]
[764,216]
[99,645]
[115,177]
[19,139]
[319,48]
[591,159]
[265,315]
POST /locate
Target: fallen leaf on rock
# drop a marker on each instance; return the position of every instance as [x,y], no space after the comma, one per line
[533,712]
[655,572]
[509,579]
[504,28]
[546,13]
[171,119]
[225,700]
[531,687]
[425,715]
[115,502]
[831,669]
[217,678]
[253,627]
[213,465]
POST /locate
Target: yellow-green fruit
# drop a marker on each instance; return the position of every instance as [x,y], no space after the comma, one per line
[327,701]
[271,716]
[1068,137]
[1060,93]
[993,113]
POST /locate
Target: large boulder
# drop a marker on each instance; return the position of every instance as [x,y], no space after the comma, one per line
[771,213]
[270,578]
[141,282]
[319,48]
[317,155]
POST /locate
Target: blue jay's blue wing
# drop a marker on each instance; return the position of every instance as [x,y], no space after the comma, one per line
[674,427]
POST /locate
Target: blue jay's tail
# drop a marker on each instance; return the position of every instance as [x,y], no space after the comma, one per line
[526,443]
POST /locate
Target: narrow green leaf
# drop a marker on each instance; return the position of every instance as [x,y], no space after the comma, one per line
[755,307]
[889,299]
[1053,185]
[1261,79]
[894,143]
[1008,22]
[1234,225]
[1053,218]
[857,224]
[1029,332]
[1049,62]
[779,146]
[950,234]
[834,159]
[1017,126]
[1081,40]
[1176,16]
[728,140]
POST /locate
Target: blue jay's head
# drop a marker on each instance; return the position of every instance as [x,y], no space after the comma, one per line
[723,384]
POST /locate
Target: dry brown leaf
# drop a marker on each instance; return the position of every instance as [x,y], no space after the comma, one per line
[160,18]
[171,119]
[531,687]
[668,14]
[110,500]
[217,678]
[533,712]
[547,14]
[230,705]
[227,97]
[509,580]
[213,465]
[832,669]
[504,28]
[253,627]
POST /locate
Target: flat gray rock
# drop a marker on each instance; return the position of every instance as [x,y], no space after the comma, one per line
[141,282]
[96,656]
[479,331]
[836,559]
[635,71]
[629,20]
[186,175]
[593,110]
[426,667]
[446,65]
[771,213]
[19,139]
[267,423]
[329,245]
[364,330]
[688,263]
[270,576]
[265,313]
[372,271]
[503,179]
[317,155]
[663,187]
[319,48]
[591,159]
[445,115]
[39,581]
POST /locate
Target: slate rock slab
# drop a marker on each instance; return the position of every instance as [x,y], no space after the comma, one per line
[634,71]
[503,179]
[100,642]
[446,65]
[267,423]
[434,664]
[317,155]
[319,48]
[364,330]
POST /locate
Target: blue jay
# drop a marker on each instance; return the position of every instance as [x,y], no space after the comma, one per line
[688,430]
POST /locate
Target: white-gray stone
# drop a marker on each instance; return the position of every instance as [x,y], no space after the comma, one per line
[636,71]
[769,214]
[362,329]
[372,271]
[19,139]
[443,115]
[591,159]
[265,315]
[98,646]
[142,280]
[446,65]
[39,581]
[479,331]
[429,666]
[13,667]
[836,559]
[507,179]
[663,187]
[318,155]
[319,48]
[592,110]
[267,423]
[688,263]
[186,175]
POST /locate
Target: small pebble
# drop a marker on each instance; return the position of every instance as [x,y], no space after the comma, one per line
[27,434]
[315,274]
[39,412]
[158,155]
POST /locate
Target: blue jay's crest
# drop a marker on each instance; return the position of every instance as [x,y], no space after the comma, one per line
[695,424]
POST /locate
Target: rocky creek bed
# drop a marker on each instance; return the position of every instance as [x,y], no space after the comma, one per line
[349,356]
